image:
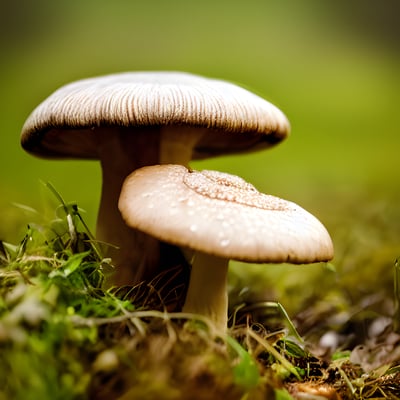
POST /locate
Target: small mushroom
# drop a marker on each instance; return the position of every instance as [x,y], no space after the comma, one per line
[134,119]
[220,217]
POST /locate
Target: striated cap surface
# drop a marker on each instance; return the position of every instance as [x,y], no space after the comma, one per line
[65,124]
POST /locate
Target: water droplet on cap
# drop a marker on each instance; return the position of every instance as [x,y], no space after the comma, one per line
[224,242]
[193,228]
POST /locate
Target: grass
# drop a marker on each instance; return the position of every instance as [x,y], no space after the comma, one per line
[64,336]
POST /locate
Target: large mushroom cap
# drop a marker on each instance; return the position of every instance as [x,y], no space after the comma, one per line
[221,214]
[64,125]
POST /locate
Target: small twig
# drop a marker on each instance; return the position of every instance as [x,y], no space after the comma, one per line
[343,374]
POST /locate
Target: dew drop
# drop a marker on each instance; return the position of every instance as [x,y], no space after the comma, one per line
[224,242]
[193,228]
[225,224]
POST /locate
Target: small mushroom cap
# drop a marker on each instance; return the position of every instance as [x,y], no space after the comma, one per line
[221,214]
[64,125]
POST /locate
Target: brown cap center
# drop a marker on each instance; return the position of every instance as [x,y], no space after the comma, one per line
[222,186]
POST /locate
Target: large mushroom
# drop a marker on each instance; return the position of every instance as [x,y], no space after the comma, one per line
[220,217]
[134,119]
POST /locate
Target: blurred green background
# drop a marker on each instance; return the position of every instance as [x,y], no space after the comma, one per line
[331,66]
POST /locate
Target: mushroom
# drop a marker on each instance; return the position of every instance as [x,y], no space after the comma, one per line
[134,119]
[220,217]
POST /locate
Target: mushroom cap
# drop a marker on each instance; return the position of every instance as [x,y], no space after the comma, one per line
[64,125]
[221,214]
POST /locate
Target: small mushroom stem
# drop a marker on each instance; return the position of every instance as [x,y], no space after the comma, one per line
[207,292]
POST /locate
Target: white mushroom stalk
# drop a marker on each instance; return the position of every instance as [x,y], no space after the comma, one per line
[207,293]
[134,119]
[221,217]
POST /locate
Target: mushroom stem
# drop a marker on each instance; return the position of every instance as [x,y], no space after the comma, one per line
[207,292]
[134,253]
[177,143]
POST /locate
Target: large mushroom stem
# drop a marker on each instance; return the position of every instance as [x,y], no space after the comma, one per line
[207,293]
[121,151]
[177,143]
